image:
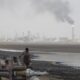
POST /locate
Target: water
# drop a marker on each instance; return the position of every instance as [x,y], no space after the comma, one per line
[72,59]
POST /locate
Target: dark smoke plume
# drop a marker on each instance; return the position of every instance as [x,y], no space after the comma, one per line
[60,9]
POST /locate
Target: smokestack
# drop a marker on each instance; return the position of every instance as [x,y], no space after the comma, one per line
[73,33]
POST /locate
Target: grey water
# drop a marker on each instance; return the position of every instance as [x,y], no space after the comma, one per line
[72,59]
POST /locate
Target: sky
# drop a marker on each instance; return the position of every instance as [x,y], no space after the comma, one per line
[39,17]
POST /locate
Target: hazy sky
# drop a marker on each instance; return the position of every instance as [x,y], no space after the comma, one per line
[18,16]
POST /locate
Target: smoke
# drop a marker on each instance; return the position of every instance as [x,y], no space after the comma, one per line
[59,8]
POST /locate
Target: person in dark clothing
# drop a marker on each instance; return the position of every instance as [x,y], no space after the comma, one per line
[26,58]
[15,61]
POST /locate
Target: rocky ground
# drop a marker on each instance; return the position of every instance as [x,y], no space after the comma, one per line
[57,71]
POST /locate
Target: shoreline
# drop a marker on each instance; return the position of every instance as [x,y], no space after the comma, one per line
[72,48]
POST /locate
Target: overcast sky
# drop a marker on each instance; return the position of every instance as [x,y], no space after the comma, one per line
[18,16]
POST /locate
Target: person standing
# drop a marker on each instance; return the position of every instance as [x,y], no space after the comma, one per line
[26,59]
